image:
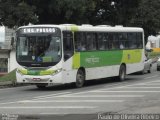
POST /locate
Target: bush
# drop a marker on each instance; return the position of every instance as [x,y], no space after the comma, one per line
[9,77]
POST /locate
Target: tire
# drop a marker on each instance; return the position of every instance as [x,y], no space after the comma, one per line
[80,78]
[122,73]
[149,71]
[142,72]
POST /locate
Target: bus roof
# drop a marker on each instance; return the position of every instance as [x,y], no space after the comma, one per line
[87,27]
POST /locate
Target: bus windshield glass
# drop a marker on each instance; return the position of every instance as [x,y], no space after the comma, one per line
[38,50]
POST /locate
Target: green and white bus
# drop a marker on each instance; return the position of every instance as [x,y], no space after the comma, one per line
[60,54]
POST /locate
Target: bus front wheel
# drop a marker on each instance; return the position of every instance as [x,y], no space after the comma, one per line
[122,73]
[80,78]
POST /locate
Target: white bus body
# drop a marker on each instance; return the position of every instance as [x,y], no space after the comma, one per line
[89,64]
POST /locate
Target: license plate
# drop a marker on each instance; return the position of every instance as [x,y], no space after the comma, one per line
[36,79]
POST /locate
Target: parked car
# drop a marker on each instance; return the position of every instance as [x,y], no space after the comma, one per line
[158,64]
[147,66]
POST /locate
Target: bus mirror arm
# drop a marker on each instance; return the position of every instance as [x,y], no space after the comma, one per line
[12,43]
[66,56]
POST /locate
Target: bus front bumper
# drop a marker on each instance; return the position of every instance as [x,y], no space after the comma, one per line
[32,79]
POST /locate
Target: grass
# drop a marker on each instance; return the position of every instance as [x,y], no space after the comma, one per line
[9,77]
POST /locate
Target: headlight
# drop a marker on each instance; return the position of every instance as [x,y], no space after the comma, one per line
[57,71]
[38,72]
[22,71]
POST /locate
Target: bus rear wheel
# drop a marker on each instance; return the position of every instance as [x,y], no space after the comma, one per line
[80,78]
[150,69]
[122,73]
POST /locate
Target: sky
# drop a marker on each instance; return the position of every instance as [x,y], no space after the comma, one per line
[2,33]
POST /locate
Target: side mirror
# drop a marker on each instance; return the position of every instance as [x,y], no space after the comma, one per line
[12,43]
[12,40]
[67,56]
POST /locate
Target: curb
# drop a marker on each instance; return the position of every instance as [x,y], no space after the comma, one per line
[10,84]
[2,83]
[5,84]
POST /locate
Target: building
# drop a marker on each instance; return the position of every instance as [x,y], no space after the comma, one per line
[7,54]
[153,43]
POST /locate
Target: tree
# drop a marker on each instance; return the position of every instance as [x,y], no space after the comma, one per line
[147,16]
[115,12]
[139,13]
[63,11]
[16,13]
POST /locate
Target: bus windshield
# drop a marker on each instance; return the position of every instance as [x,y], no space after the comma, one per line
[44,50]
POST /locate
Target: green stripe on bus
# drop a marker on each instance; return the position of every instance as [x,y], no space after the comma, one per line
[46,72]
[74,28]
[76,60]
[106,58]
[98,59]
[33,72]
[132,56]
[23,71]
[36,72]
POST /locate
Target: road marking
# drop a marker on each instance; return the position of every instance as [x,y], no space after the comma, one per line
[70,101]
[51,95]
[8,103]
[70,93]
[101,96]
[143,87]
[157,81]
[50,107]
[126,91]
[152,84]
[55,113]
[55,95]
[124,86]
[151,77]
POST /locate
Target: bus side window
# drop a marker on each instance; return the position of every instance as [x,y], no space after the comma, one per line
[101,41]
[123,40]
[113,40]
[68,45]
[139,40]
[132,40]
[80,41]
[90,41]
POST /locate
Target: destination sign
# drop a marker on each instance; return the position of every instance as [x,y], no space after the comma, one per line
[38,30]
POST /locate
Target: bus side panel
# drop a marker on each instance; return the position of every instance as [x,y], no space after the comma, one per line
[133,59]
[98,64]
[134,67]
[69,74]
[102,72]
[97,59]
[107,63]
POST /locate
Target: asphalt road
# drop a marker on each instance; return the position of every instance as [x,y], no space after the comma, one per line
[138,94]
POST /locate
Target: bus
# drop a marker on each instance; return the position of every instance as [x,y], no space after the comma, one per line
[59,54]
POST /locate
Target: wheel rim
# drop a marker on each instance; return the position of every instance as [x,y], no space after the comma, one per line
[122,73]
